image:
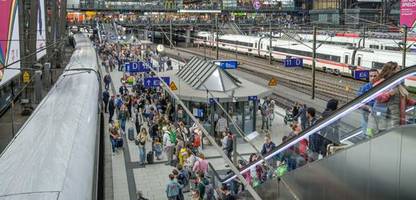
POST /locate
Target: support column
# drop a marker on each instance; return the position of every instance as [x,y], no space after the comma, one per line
[31,42]
[62,28]
[22,30]
[146,34]
[188,37]
[38,86]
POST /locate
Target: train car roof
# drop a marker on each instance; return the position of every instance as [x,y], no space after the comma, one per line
[52,156]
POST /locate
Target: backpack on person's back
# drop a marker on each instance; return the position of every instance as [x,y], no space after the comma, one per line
[209,191]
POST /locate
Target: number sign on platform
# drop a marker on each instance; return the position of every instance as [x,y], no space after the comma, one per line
[361,74]
[293,62]
[134,67]
[226,64]
[153,82]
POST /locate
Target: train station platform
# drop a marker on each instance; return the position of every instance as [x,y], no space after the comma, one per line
[125,177]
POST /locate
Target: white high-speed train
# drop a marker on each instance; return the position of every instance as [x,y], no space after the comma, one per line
[330,58]
[56,153]
[356,41]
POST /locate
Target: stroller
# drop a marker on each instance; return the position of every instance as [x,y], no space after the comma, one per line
[288,117]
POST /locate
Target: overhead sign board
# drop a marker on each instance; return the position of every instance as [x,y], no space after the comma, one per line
[252,98]
[134,67]
[361,74]
[212,101]
[226,64]
[198,112]
[153,82]
[293,62]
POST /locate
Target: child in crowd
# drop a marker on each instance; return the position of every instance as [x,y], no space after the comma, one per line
[157,147]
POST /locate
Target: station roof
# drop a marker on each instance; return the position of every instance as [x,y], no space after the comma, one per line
[198,76]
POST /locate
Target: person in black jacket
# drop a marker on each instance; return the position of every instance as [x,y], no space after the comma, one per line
[111,108]
[330,133]
[106,98]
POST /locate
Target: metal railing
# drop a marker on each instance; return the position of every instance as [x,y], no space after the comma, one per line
[348,112]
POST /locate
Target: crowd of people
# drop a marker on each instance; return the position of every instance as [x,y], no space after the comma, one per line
[158,122]
[162,124]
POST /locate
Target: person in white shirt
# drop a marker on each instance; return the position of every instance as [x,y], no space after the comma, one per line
[168,145]
[221,127]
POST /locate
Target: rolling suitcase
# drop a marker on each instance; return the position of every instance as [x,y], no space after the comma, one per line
[150,157]
[130,133]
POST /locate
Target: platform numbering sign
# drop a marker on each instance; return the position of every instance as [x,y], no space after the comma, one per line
[293,62]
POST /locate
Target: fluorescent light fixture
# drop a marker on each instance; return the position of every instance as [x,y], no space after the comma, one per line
[320,127]
[410,109]
[198,11]
[351,136]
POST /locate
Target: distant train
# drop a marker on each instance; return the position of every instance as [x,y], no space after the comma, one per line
[57,154]
[354,40]
[330,58]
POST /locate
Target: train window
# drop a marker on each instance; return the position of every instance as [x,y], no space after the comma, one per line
[359,61]
[372,46]
[392,48]
[377,65]
[346,59]
[255,45]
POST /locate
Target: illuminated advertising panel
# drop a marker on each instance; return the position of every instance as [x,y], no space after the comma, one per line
[9,40]
[408,14]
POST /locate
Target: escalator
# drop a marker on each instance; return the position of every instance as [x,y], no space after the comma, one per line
[369,162]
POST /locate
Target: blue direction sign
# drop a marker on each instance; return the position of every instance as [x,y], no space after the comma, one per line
[226,64]
[152,82]
[149,63]
[198,112]
[361,74]
[212,101]
[252,98]
[134,67]
[293,62]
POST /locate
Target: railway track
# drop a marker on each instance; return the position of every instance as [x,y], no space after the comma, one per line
[327,86]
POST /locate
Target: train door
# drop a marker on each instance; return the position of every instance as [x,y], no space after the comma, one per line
[347,57]
[359,60]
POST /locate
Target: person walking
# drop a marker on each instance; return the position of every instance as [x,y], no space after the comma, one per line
[172,188]
[122,117]
[367,108]
[221,127]
[314,139]
[168,145]
[107,81]
[106,99]
[141,138]
[302,116]
[111,108]
[265,115]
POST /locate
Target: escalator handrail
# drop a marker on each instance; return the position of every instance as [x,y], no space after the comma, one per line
[352,105]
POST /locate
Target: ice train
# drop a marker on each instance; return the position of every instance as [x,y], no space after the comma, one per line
[330,58]
[57,154]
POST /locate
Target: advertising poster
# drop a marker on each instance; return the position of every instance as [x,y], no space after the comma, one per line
[9,40]
[408,14]
[40,31]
